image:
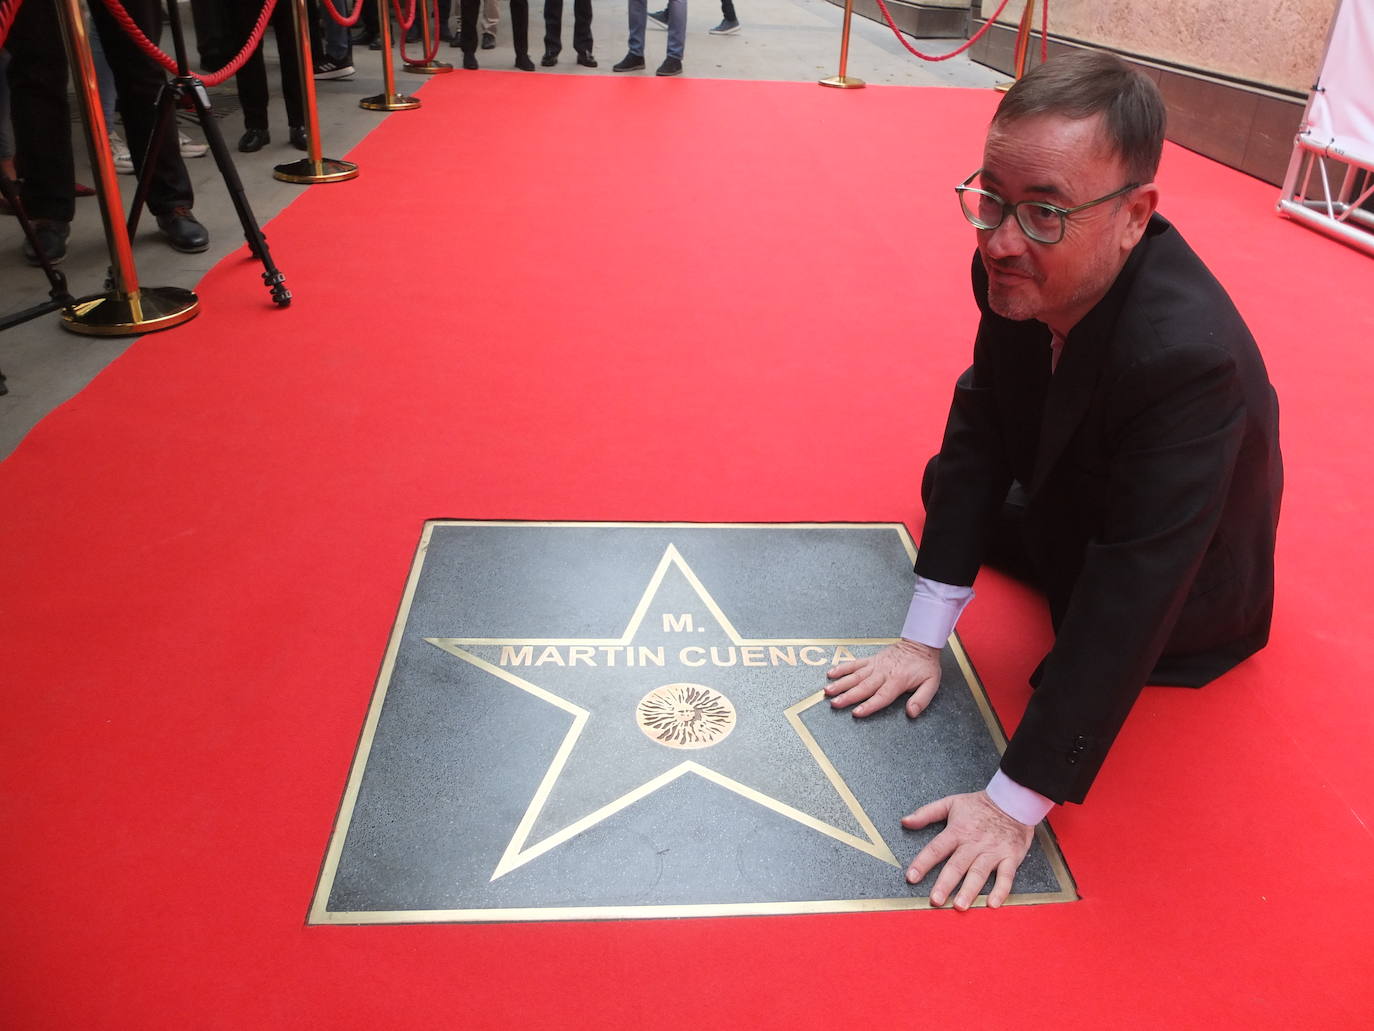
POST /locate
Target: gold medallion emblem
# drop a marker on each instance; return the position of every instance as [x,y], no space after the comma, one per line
[685,716]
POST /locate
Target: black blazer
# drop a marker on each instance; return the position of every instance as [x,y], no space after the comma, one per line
[1152,464]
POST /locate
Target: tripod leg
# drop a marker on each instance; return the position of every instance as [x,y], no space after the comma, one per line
[257,240]
[57,282]
[166,121]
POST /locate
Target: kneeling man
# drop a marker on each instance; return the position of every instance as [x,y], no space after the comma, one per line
[1116,439]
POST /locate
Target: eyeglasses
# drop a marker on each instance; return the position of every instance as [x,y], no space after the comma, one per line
[1041,222]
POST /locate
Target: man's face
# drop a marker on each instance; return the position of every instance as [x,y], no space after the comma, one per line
[1065,162]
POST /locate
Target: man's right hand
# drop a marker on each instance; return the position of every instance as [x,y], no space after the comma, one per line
[877,681]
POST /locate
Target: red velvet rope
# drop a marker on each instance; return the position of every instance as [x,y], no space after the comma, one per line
[432,47]
[349,20]
[409,19]
[150,48]
[8,9]
[887,16]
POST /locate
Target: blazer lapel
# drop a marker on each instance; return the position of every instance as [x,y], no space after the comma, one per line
[1080,365]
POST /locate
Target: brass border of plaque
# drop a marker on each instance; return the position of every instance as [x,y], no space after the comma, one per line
[320,915]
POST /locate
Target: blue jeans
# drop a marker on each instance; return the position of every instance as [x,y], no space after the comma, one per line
[338,42]
[677,26]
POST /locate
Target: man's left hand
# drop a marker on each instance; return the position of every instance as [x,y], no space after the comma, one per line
[978,841]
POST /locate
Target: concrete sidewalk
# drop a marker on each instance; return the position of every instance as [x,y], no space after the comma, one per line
[780,40]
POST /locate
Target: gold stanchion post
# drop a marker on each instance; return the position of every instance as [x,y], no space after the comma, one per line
[843,81]
[1022,52]
[429,66]
[128,309]
[390,100]
[312,169]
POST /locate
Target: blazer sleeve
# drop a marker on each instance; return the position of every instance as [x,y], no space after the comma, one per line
[1176,425]
[973,474]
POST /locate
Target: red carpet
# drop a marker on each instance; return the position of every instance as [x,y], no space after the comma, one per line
[590,298]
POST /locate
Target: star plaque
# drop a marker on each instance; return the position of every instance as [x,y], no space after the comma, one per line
[589,720]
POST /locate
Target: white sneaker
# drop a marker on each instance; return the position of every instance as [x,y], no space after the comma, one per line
[123,160]
[190,148]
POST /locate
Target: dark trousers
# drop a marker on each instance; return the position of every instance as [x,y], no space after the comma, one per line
[468,12]
[138,80]
[251,79]
[42,117]
[582,26]
[727,10]
[40,114]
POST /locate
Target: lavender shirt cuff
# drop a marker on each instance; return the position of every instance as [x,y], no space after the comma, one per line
[1020,803]
[935,608]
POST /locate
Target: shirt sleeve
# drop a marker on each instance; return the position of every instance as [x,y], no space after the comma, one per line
[935,608]
[1018,802]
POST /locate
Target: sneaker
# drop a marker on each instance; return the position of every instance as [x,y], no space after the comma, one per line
[670,66]
[123,160]
[488,41]
[725,28]
[332,68]
[659,19]
[52,241]
[190,148]
[629,63]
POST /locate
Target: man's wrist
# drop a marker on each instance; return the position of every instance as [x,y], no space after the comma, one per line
[1017,801]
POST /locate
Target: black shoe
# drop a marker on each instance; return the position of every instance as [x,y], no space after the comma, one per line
[488,41]
[254,140]
[629,63]
[299,139]
[585,59]
[549,59]
[52,241]
[183,232]
[670,66]
[469,61]
[376,44]
[363,37]
[523,62]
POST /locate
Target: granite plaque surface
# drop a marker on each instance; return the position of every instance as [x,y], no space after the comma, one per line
[581,721]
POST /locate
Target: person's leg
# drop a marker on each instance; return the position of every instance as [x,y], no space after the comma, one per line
[138,81]
[467,30]
[288,57]
[104,80]
[520,32]
[491,18]
[677,28]
[251,78]
[639,14]
[40,115]
[553,31]
[727,11]
[6,130]
[338,43]
[582,27]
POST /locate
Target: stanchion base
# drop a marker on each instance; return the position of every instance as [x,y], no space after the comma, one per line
[390,102]
[146,310]
[843,82]
[429,68]
[326,170]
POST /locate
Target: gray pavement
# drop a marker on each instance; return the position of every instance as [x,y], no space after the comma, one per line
[780,40]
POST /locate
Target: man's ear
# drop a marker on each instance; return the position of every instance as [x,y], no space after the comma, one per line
[1140,205]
